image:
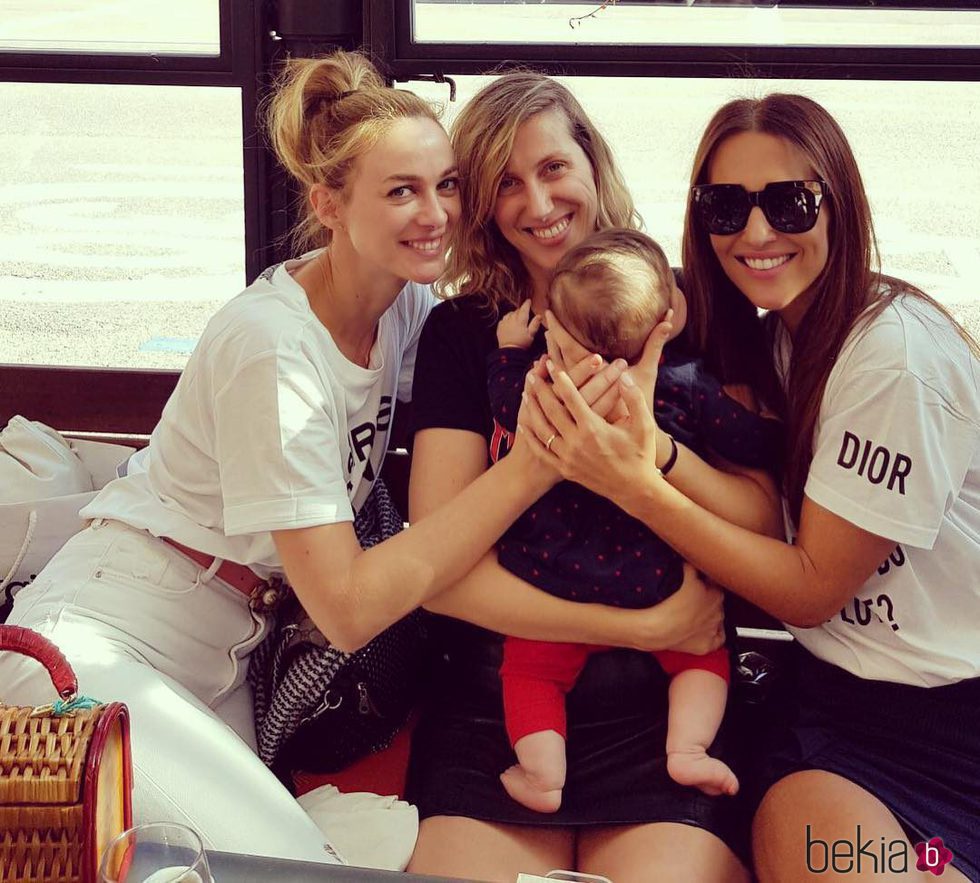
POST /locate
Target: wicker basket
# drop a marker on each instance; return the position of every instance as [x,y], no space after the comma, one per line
[65,776]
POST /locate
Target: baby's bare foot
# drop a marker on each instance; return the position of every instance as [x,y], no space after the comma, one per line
[700,770]
[524,790]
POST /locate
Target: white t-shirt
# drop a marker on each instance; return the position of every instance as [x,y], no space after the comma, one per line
[897,452]
[270,426]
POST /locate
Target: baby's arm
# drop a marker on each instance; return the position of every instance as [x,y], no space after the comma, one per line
[507,366]
[506,369]
[730,425]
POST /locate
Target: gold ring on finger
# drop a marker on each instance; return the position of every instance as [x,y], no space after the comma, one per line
[551,438]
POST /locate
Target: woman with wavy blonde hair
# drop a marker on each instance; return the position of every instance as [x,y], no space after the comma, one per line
[482,260]
[537,178]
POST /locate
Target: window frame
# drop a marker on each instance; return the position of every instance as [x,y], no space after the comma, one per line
[136,68]
[388,33]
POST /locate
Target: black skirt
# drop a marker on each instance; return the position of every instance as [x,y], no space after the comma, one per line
[917,749]
[616,746]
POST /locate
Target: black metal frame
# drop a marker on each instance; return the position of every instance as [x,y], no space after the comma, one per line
[145,68]
[388,34]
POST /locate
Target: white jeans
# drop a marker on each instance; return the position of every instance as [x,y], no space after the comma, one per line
[143,624]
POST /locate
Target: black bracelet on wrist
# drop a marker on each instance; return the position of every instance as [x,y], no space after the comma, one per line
[671,458]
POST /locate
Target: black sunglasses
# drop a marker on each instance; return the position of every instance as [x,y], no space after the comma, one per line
[789,206]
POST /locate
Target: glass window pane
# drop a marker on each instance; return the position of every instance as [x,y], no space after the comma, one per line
[121,220]
[185,27]
[916,145]
[696,22]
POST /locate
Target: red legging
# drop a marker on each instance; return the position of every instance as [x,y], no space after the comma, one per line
[536,675]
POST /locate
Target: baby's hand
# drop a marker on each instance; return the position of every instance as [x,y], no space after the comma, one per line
[515,329]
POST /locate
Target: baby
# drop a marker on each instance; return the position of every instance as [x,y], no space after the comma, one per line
[609,293]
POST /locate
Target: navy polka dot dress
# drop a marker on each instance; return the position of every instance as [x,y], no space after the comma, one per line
[580,546]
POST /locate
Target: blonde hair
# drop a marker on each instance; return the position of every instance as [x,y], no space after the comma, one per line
[480,259]
[323,114]
[611,290]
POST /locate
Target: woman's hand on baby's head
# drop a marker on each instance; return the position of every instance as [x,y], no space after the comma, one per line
[596,381]
[518,327]
[648,366]
[563,349]
[593,376]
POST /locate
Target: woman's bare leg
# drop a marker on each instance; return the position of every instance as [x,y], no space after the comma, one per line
[660,851]
[831,807]
[453,846]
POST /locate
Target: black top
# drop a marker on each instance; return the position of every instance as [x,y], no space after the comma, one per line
[580,546]
[450,386]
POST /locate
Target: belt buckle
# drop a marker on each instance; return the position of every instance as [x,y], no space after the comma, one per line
[267,595]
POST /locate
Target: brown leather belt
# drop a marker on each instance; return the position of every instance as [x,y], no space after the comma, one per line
[263,595]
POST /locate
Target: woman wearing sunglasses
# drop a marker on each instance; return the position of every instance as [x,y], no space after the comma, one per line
[881,584]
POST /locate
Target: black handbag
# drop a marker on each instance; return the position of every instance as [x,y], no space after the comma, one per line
[319,709]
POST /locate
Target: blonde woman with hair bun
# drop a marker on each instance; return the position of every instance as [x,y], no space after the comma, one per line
[537,179]
[268,447]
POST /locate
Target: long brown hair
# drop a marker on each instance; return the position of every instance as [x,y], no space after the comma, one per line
[725,325]
[480,260]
